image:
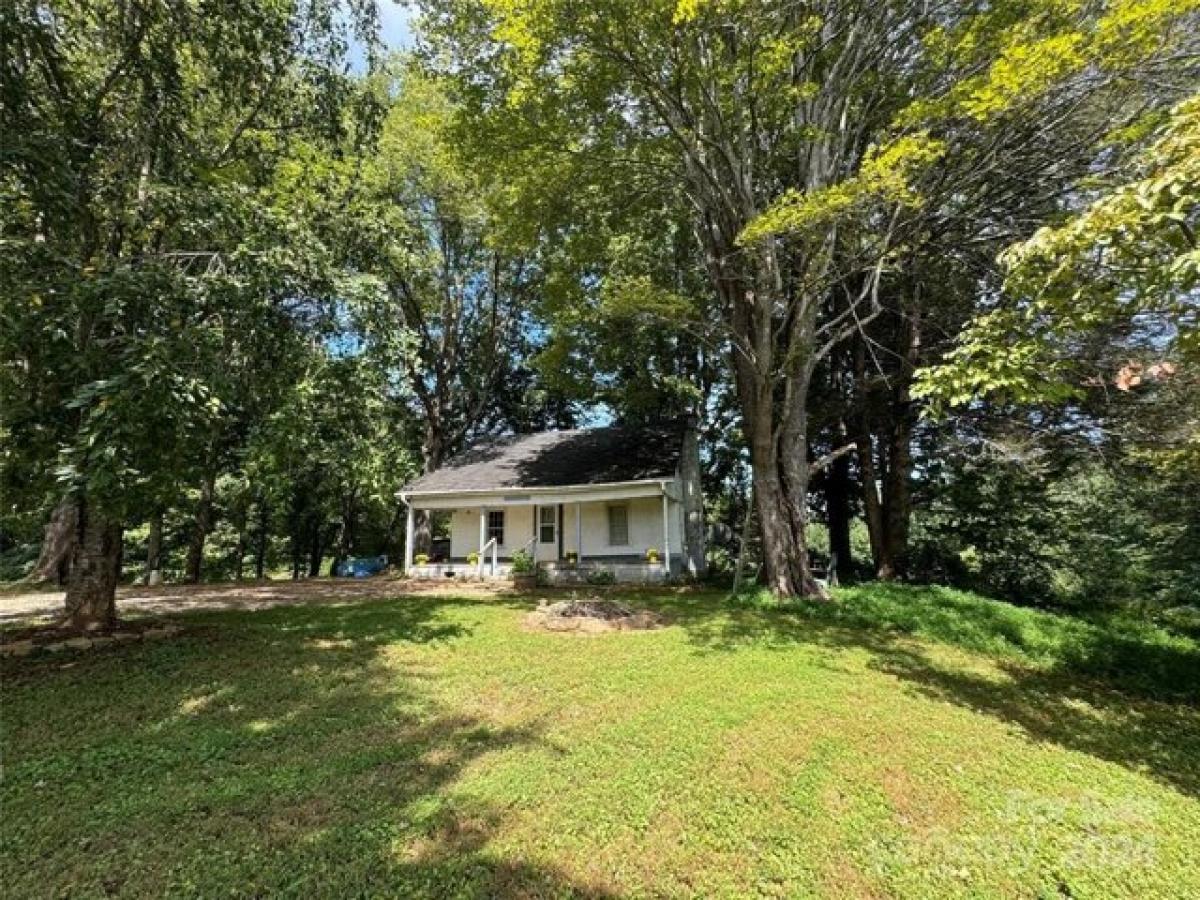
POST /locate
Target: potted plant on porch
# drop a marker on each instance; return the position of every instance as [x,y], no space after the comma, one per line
[524,571]
[652,556]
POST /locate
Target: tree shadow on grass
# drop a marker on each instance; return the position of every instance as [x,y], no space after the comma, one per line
[1157,738]
[1102,693]
[297,751]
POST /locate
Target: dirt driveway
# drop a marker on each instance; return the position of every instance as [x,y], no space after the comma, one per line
[241,595]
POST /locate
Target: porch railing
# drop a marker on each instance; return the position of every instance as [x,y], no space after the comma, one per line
[495,556]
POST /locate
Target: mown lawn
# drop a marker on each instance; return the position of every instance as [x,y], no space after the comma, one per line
[907,742]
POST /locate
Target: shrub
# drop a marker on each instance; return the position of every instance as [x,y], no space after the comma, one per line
[522,563]
[601,577]
[17,562]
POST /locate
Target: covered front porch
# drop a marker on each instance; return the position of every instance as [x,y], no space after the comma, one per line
[631,531]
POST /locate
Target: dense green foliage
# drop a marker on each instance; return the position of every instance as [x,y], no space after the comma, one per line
[1126,651]
[925,275]
[906,742]
[221,295]
[152,294]
[783,213]
[1076,533]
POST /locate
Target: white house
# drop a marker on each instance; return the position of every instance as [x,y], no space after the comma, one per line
[622,499]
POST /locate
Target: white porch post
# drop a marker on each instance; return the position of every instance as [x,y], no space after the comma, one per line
[482,536]
[666,532]
[578,531]
[409,528]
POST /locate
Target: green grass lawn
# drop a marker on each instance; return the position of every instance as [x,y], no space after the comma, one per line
[905,742]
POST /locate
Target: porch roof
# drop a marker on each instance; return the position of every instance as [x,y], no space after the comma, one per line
[582,459]
[546,496]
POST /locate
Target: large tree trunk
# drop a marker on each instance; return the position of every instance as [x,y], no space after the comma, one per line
[774,534]
[897,494]
[200,530]
[779,466]
[786,568]
[154,549]
[794,466]
[58,543]
[95,568]
[433,452]
[773,402]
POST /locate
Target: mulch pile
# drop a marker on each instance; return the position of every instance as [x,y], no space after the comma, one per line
[590,615]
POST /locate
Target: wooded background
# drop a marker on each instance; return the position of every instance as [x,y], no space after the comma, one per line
[926,273]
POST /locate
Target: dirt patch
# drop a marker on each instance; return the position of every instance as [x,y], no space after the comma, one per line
[16,609]
[590,615]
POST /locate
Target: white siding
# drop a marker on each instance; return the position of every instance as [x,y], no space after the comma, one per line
[464,530]
[645,530]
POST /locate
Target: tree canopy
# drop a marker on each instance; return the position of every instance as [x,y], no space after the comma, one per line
[901,260]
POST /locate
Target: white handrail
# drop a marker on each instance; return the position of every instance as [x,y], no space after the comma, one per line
[483,556]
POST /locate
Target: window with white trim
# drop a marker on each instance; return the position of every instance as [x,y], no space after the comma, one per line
[495,525]
[618,526]
[547,524]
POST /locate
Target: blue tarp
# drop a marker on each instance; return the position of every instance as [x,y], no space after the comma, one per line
[362,567]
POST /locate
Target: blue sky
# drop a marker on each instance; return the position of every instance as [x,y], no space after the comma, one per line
[395,30]
[394,19]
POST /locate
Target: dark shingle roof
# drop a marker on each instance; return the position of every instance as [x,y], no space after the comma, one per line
[559,458]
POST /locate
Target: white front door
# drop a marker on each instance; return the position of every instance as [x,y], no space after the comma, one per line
[547,533]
